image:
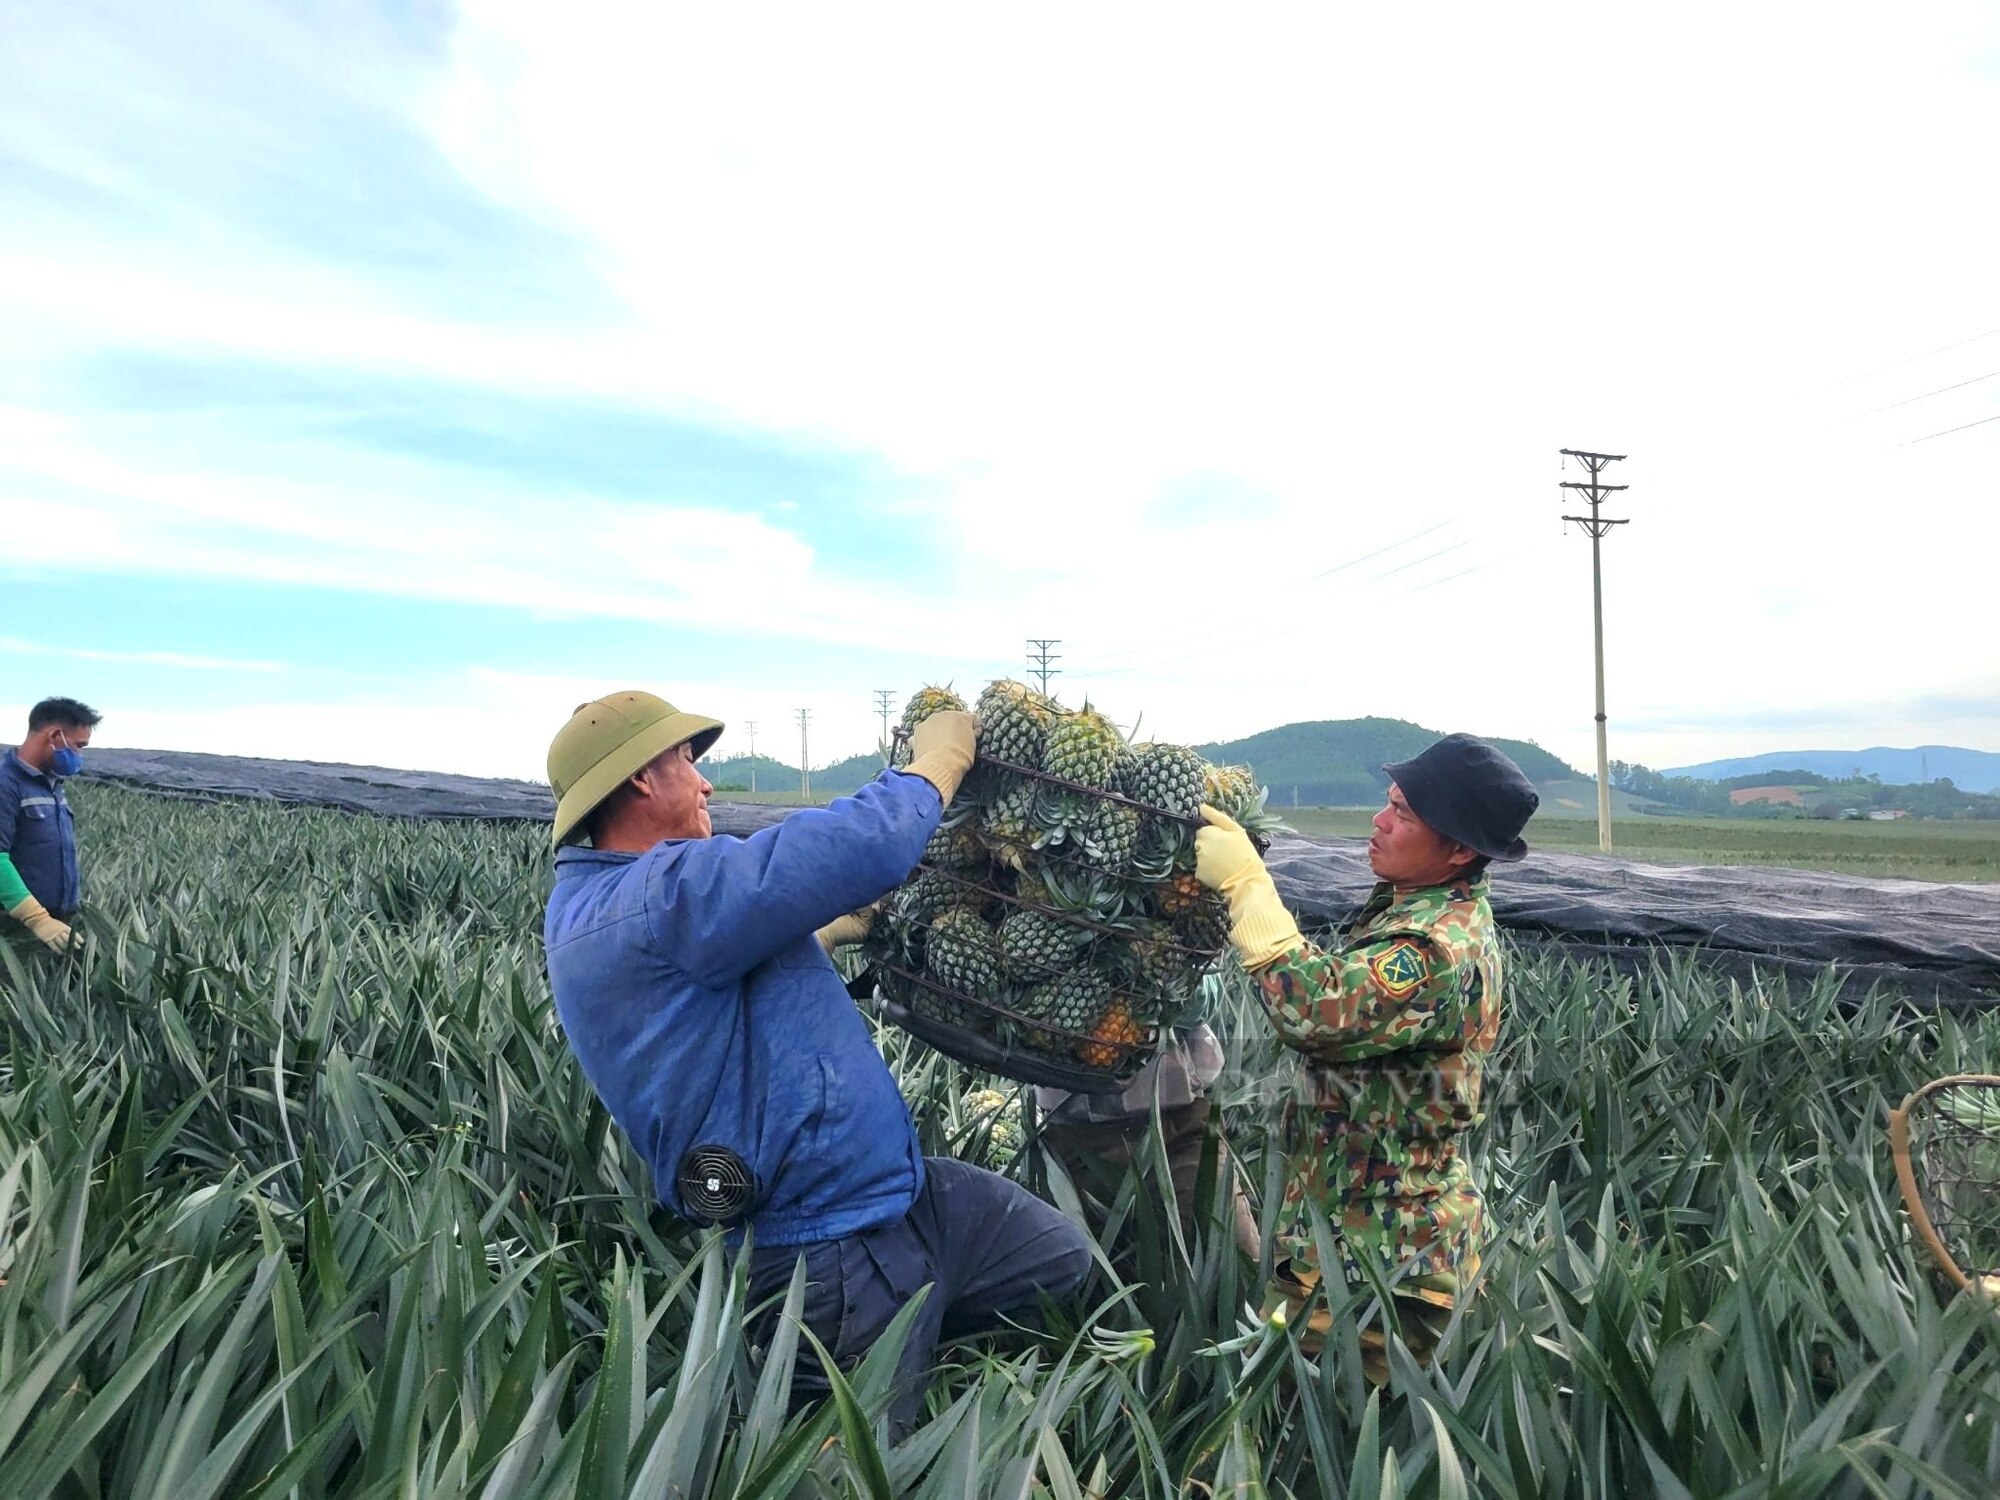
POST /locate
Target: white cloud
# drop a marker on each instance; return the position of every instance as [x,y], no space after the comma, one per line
[15,646]
[1374,266]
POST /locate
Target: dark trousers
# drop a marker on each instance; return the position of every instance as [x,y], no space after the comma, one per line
[1099,1153]
[987,1247]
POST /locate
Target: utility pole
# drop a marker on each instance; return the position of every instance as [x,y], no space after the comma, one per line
[1040,655]
[805,764]
[882,699]
[751,729]
[1597,524]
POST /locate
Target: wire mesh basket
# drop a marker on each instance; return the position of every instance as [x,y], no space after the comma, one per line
[1051,933]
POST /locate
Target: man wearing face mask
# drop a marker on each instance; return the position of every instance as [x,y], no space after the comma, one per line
[39,884]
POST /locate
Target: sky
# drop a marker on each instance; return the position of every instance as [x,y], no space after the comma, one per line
[379,381]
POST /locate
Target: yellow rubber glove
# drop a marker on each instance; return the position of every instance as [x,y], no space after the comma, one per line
[34,916]
[941,750]
[1226,861]
[851,928]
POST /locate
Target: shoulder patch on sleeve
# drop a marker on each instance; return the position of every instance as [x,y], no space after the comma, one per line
[1400,968]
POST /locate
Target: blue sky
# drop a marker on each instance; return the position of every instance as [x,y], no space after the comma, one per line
[378,380]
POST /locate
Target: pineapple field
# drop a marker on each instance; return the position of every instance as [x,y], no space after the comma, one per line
[302,1195]
[1055,922]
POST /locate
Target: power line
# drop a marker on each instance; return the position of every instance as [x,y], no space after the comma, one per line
[1310,623]
[1309,579]
[882,699]
[1938,392]
[1597,524]
[1950,430]
[1941,349]
[1039,657]
[751,729]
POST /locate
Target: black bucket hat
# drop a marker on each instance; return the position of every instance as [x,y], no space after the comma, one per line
[1471,793]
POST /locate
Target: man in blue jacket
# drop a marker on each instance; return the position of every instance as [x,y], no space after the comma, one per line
[693,981]
[40,886]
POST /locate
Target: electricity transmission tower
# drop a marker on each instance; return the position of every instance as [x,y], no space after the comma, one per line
[882,697]
[1597,525]
[805,763]
[1040,654]
[751,729]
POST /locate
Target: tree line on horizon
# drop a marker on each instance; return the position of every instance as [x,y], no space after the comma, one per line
[1320,763]
[1821,797]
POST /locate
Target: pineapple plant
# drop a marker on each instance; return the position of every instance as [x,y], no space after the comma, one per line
[962,953]
[1112,1036]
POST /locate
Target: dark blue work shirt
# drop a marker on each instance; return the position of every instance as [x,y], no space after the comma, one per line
[37,833]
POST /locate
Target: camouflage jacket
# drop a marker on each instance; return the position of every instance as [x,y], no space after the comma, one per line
[1394,1026]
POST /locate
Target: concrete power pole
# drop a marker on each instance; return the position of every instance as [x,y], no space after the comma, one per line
[1597,524]
[805,763]
[882,699]
[751,729]
[1040,654]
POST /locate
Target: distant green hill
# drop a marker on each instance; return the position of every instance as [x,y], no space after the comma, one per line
[1338,762]
[1326,763]
[734,773]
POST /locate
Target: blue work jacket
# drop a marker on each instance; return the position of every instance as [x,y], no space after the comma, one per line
[37,833]
[704,1012]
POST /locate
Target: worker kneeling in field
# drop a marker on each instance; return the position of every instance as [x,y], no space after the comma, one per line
[693,981]
[1394,1025]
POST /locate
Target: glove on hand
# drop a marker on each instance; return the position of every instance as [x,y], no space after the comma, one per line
[941,750]
[851,928]
[54,934]
[1225,861]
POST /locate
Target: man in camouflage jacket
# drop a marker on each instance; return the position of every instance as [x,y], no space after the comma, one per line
[1392,1026]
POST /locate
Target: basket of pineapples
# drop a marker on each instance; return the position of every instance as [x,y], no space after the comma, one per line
[1054,926]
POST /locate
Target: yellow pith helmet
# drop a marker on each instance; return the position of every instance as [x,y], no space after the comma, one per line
[607,740]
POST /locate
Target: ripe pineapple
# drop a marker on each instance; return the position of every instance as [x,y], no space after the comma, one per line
[923,703]
[1108,835]
[1162,970]
[1007,827]
[1233,790]
[1083,747]
[1070,1001]
[962,953]
[1038,945]
[924,897]
[1000,1116]
[956,846]
[1204,928]
[1180,895]
[1014,722]
[1169,777]
[1113,1036]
